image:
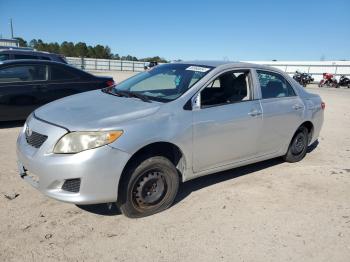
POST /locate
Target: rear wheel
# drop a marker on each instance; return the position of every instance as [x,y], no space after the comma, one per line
[149,186]
[298,146]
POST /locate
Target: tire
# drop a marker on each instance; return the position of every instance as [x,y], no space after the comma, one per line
[298,146]
[148,186]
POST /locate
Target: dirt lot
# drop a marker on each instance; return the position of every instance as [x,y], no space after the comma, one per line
[271,211]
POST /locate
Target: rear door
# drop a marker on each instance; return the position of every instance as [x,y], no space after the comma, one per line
[282,112]
[20,90]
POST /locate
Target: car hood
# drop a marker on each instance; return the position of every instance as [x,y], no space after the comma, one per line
[94,110]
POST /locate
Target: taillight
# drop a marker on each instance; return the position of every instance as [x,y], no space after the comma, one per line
[110,83]
[323,105]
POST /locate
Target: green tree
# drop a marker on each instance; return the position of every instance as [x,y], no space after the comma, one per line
[107,52]
[91,52]
[99,51]
[154,59]
[33,43]
[67,49]
[53,48]
[81,49]
[22,42]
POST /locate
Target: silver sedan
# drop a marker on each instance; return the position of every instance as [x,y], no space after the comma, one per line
[133,143]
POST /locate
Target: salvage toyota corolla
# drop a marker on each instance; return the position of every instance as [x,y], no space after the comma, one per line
[133,143]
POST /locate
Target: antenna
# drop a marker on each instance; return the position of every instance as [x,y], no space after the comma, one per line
[11,28]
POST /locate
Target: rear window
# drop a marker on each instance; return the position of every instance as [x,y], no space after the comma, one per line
[274,85]
[58,73]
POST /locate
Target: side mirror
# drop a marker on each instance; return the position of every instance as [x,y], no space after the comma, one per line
[196,102]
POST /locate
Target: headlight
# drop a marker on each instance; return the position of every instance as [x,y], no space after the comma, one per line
[79,141]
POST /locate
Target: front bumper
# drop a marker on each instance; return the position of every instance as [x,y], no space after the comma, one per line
[98,169]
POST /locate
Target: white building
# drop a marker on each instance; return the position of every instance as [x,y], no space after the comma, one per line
[9,42]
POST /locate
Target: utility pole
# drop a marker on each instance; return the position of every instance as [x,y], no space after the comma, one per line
[11,28]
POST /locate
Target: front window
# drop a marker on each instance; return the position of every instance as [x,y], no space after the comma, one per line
[23,73]
[163,83]
[229,87]
[4,57]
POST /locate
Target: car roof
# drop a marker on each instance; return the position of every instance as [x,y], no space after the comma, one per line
[41,62]
[26,51]
[218,63]
[32,61]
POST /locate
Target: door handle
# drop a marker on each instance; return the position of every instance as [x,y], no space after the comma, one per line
[297,107]
[255,113]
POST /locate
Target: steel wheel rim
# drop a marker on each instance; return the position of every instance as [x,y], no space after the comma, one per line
[299,143]
[149,189]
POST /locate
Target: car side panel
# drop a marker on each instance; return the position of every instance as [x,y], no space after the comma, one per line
[281,117]
[225,134]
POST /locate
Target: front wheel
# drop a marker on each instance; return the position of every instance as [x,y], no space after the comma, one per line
[148,187]
[298,146]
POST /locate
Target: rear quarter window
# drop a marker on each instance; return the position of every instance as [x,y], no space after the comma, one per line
[59,73]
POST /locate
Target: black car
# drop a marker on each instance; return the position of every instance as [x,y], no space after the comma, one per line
[28,84]
[23,53]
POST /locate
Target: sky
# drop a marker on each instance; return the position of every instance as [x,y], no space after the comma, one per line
[190,30]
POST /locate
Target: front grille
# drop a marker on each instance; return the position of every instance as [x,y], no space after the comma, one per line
[35,139]
[72,185]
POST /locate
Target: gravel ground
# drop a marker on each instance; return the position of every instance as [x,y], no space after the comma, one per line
[271,211]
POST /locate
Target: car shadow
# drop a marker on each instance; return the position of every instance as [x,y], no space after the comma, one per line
[101,209]
[197,184]
[11,124]
[312,147]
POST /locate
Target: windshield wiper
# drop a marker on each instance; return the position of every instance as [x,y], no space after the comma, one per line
[133,94]
[125,93]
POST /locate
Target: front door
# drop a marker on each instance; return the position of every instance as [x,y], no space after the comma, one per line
[227,126]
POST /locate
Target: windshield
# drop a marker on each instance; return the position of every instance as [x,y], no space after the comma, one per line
[164,83]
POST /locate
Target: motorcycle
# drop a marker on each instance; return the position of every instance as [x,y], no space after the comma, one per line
[328,80]
[303,78]
[343,81]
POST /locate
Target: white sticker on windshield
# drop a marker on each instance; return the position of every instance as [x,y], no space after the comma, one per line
[197,68]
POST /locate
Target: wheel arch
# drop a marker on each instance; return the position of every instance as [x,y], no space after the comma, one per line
[310,128]
[162,148]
